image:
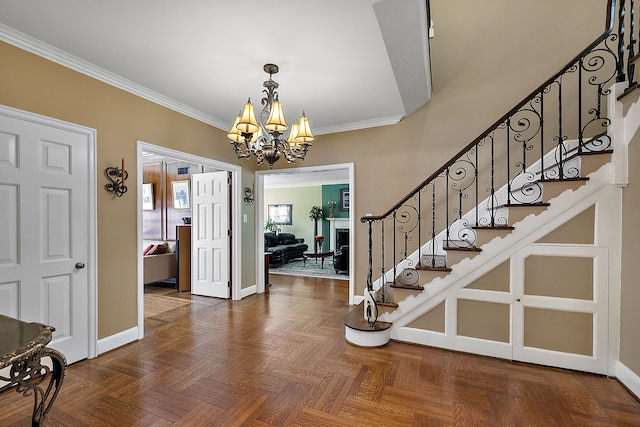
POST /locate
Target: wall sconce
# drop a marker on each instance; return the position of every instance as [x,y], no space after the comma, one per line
[116,179]
[248,195]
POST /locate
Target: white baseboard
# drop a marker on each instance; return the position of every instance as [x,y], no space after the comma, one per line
[250,290]
[117,340]
[629,378]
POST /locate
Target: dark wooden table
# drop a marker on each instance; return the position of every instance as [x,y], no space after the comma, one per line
[316,255]
[22,347]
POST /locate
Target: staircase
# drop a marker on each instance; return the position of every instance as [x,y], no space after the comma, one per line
[457,260]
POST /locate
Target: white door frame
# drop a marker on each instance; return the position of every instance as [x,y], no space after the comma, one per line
[236,262]
[259,202]
[92,230]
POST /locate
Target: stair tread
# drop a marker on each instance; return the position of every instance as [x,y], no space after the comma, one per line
[417,288]
[355,320]
[424,267]
[495,227]
[580,178]
[387,304]
[453,248]
[520,205]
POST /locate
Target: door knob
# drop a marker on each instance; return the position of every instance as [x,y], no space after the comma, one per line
[79,265]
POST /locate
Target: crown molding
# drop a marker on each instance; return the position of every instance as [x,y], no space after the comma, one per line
[51,53]
[44,50]
[364,124]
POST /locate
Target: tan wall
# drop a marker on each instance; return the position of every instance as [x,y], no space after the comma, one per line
[629,313]
[486,57]
[33,84]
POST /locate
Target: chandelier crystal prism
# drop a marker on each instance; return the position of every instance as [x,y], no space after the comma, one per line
[265,138]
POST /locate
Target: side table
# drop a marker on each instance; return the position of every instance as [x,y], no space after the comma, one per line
[22,347]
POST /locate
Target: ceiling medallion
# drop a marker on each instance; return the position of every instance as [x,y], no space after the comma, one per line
[265,138]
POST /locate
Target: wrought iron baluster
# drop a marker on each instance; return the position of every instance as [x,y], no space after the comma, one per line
[493,184]
[433,224]
[542,134]
[631,66]
[419,224]
[508,123]
[446,198]
[560,143]
[395,249]
[477,178]
[621,35]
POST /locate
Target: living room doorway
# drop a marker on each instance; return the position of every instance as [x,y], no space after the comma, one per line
[309,176]
[184,166]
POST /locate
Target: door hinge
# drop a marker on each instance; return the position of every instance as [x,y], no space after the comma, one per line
[229,232]
[229,283]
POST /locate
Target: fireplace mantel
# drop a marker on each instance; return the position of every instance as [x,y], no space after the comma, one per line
[336,223]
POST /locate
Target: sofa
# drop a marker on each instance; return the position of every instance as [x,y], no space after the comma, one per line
[341,259]
[283,247]
[159,261]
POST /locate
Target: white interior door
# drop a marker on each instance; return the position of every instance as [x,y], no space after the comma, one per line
[44,230]
[210,248]
[560,312]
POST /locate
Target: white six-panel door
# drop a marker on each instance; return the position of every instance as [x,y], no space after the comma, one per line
[44,227]
[210,235]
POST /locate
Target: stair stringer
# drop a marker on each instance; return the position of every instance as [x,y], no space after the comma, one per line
[563,208]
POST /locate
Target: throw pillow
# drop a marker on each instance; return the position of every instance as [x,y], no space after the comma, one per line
[270,240]
[162,248]
[146,250]
[287,238]
[152,250]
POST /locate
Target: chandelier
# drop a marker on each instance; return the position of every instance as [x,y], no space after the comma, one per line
[265,139]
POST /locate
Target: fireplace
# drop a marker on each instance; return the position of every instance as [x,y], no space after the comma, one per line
[342,237]
[341,226]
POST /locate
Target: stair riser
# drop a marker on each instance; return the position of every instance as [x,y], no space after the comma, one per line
[454,257]
[485,236]
[517,214]
[593,162]
[552,189]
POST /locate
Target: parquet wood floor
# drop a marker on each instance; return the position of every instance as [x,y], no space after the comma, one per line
[280,359]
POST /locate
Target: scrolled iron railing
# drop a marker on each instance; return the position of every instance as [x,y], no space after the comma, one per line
[539,140]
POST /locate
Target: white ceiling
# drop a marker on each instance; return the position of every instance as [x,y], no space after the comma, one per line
[349,64]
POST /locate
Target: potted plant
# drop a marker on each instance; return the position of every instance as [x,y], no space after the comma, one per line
[315,214]
[269,225]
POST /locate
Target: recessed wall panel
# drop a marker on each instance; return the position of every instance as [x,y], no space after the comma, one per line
[55,224]
[56,157]
[560,277]
[56,293]
[484,320]
[8,225]
[8,150]
[564,331]
[10,299]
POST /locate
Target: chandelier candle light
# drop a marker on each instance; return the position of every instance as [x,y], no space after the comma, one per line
[265,139]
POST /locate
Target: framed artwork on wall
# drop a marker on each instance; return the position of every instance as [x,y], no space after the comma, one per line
[181,195]
[147,197]
[344,199]
[280,214]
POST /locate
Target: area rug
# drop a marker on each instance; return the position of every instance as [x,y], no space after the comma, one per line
[298,268]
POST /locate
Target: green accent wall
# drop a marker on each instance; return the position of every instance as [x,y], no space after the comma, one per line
[332,193]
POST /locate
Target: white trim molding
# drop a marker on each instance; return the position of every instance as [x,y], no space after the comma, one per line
[628,378]
[117,340]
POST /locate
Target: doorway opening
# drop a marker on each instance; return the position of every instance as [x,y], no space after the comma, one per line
[309,176]
[169,221]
